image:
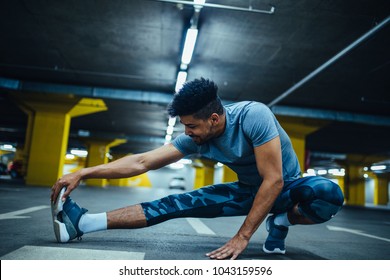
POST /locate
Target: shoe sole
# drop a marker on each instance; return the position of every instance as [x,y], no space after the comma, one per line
[60,231]
[275,251]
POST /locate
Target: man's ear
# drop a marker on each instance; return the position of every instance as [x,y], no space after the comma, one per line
[214,118]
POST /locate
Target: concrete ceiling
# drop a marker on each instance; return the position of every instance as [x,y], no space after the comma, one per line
[128,53]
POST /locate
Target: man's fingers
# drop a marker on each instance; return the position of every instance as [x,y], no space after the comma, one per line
[220,254]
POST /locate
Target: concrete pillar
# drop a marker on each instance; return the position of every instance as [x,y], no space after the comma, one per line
[97,154]
[381,189]
[228,175]
[48,131]
[135,181]
[204,173]
[297,129]
[355,183]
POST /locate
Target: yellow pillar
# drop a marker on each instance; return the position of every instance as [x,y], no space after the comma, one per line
[48,132]
[228,175]
[204,173]
[297,129]
[355,182]
[97,154]
[381,189]
[135,181]
[341,183]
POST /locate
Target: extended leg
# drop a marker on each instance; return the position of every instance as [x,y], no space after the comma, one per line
[127,217]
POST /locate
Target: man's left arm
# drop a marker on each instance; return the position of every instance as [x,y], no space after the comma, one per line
[269,164]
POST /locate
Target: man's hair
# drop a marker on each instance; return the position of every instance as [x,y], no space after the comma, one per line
[198,98]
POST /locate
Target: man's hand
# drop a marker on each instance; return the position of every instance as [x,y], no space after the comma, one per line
[232,249]
[70,181]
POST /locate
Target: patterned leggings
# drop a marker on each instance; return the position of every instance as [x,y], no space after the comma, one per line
[318,198]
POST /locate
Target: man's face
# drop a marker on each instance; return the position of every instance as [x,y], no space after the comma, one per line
[199,130]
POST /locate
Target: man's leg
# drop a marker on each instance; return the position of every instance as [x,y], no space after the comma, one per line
[126,218]
[308,200]
[218,200]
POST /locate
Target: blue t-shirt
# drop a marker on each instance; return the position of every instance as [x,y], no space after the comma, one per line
[248,124]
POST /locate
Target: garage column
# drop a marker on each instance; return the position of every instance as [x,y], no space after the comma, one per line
[228,175]
[355,184]
[204,173]
[381,189]
[48,132]
[354,181]
[97,154]
[141,180]
[297,129]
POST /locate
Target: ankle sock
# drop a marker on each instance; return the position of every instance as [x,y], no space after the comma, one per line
[93,222]
[282,220]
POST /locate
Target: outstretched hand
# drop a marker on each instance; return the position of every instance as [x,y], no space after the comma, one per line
[232,249]
[70,181]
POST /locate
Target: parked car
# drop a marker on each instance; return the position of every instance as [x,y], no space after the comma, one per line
[15,169]
[177,183]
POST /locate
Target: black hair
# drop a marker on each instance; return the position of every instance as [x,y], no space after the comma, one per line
[198,97]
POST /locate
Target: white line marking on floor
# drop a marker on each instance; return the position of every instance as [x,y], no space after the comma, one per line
[15,214]
[57,253]
[200,227]
[358,232]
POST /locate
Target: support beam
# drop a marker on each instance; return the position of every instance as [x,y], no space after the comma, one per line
[297,129]
[204,173]
[48,132]
[97,154]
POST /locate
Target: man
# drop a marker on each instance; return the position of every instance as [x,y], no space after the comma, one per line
[244,136]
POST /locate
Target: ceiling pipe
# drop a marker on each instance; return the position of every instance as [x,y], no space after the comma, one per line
[219,6]
[329,62]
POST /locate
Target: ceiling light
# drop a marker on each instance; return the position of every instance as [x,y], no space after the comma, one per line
[181,79]
[378,167]
[79,153]
[69,156]
[170,130]
[172,121]
[189,45]
[199,2]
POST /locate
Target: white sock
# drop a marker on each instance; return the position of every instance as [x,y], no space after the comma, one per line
[93,222]
[282,220]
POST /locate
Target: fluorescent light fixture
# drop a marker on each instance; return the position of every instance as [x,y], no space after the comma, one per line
[185,161]
[170,130]
[199,2]
[69,156]
[172,121]
[365,176]
[311,172]
[176,165]
[337,172]
[168,138]
[79,153]
[181,79]
[7,147]
[189,45]
[322,172]
[378,167]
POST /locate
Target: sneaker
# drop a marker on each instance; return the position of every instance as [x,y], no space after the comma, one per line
[274,244]
[66,217]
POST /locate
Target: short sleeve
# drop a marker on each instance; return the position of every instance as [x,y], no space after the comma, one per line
[259,124]
[185,144]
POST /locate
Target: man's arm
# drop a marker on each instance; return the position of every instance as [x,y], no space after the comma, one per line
[269,165]
[127,166]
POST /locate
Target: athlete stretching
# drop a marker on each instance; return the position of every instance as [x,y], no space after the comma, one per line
[246,137]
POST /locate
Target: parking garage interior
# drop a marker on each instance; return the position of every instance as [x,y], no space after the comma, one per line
[83,83]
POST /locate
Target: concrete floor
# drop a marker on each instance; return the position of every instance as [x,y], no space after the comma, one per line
[27,232]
